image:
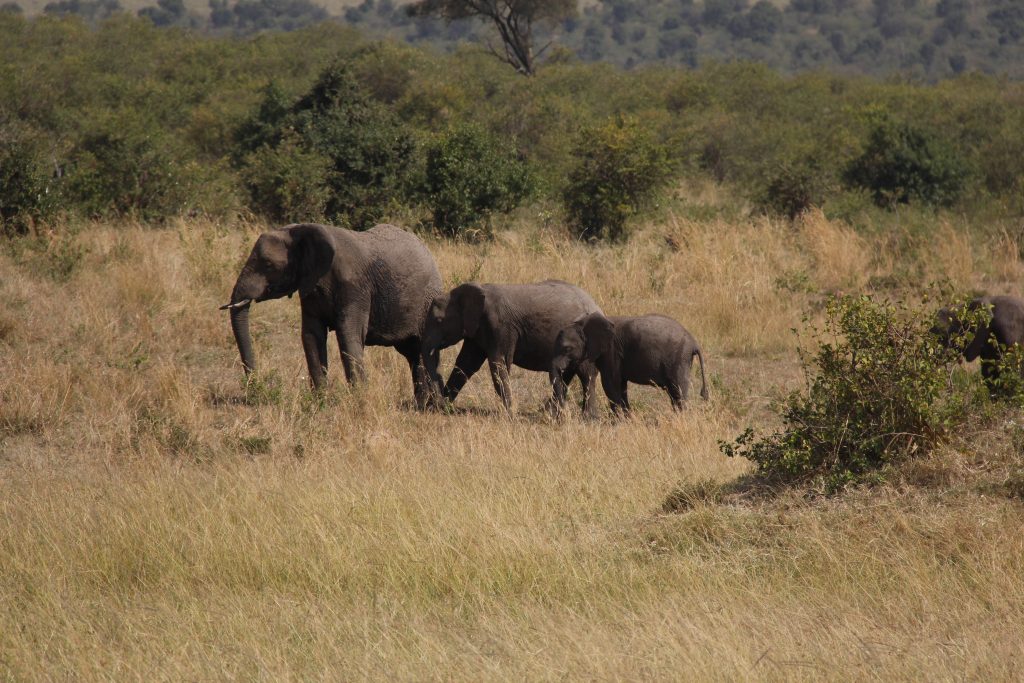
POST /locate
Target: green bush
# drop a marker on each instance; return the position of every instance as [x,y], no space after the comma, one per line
[368,152]
[469,176]
[903,163]
[287,182]
[793,188]
[25,181]
[1008,381]
[127,170]
[619,168]
[878,389]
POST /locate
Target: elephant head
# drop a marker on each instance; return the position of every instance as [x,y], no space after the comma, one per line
[586,339]
[452,317]
[282,262]
[966,330]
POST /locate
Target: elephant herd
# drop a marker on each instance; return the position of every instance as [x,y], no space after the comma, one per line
[382,287]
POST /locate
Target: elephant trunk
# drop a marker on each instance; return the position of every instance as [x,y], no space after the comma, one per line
[240,326]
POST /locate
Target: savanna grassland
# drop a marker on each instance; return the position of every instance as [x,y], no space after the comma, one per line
[158,520]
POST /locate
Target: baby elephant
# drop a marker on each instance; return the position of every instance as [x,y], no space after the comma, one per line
[649,349]
[986,338]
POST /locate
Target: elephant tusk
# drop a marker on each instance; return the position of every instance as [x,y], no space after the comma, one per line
[237,304]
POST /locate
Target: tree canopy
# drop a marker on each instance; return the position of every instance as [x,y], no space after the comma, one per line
[514,20]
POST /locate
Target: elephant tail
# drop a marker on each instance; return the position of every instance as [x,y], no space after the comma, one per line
[703,380]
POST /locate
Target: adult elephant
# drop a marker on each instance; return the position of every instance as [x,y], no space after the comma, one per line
[373,288]
[505,325]
[984,334]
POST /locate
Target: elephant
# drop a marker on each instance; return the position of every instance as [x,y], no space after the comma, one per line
[504,324]
[649,349]
[1004,328]
[373,288]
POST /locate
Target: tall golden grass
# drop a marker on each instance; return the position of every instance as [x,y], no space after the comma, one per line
[155,524]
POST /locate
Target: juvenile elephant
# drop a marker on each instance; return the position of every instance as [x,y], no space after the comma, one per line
[984,340]
[505,325]
[373,288]
[649,349]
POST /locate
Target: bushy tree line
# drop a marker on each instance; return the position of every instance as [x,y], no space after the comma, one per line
[925,39]
[128,119]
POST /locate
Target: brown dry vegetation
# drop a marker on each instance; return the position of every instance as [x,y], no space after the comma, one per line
[154,524]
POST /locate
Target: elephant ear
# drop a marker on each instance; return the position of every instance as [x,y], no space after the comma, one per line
[598,333]
[472,302]
[313,251]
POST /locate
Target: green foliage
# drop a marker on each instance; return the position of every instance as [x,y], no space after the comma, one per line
[287,182]
[878,389]
[25,182]
[469,176]
[250,16]
[619,169]
[903,163]
[90,10]
[336,151]
[1008,381]
[188,124]
[262,389]
[794,188]
[514,20]
[127,170]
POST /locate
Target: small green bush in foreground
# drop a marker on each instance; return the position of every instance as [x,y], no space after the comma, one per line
[878,389]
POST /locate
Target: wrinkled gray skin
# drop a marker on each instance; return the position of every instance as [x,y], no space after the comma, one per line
[1005,328]
[650,349]
[505,325]
[373,288]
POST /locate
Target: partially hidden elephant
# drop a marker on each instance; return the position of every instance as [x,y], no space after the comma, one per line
[372,288]
[504,324]
[984,340]
[649,349]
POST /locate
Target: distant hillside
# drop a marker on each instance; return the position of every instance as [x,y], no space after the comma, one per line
[927,39]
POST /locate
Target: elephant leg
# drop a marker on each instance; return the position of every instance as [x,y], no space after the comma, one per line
[587,374]
[614,389]
[499,375]
[624,398]
[677,395]
[469,360]
[351,344]
[679,390]
[560,394]
[420,382]
[314,344]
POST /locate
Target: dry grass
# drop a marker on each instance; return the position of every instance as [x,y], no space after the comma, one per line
[155,525]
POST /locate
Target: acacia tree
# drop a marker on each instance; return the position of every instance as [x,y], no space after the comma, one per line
[514,19]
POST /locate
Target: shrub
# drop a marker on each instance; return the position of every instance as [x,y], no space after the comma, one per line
[126,170]
[25,182]
[618,169]
[903,163]
[287,182]
[469,176]
[878,389]
[1008,382]
[368,152]
[794,188]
